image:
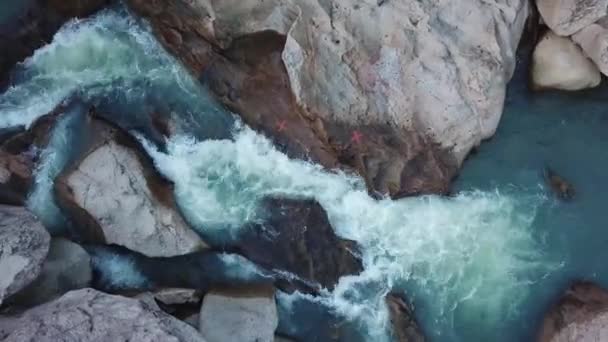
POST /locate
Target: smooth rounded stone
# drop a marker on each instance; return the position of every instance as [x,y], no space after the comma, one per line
[580,315]
[401,103]
[90,315]
[566,17]
[239,315]
[115,195]
[593,39]
[67,267]
[24,244]
[176,296]
[557,63]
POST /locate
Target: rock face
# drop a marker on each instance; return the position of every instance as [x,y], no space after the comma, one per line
[114,194]
[297,237]
[402,103]
[593,39]
[580,315]
[248,315]
[405,328]
[24,244]
[557,63]
[36,24]
[89,315]
[67,267]
[566,17]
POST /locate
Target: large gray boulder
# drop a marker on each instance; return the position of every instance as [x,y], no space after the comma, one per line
[557,63]
[67,267]
[243,315]
[115,195]
[90,315]
[24,244]
[566,17]
[580,315]
[593,39]
[402,103]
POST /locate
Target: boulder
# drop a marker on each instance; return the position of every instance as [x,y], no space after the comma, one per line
[580,315]
[566,17]
[557,63]
[90,315]
[24,244]
[297,237]
[401,103]
[34,25]
[405,328]
[244,315]
[114,195]
[593,39]
[67,267]
[177,296]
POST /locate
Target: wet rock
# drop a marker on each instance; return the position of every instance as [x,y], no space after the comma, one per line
[24,244]
[244,315]
[67,267]
[35,25]
[114,195]
[405,328]
[580,315]
[593,39]
[560,186]
[175,296]
[90,315]
[557,63]
[566,17]
[402,107]
[297,237]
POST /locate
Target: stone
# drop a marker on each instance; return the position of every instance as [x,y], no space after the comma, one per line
[176,296]
[557,63]
[400,103]
[405,328]
[24,244]
[593,39]
[566,17]
[90,315]
[67,267]
[114,195]
[296,236]
[244,315]
[580,315]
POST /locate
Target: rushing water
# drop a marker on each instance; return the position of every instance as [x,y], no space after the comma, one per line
[478,266]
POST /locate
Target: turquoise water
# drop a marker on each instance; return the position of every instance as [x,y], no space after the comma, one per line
[479,266]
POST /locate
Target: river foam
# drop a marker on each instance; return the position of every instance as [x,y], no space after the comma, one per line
[469,256]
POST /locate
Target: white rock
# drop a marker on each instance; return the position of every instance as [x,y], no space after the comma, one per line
[593,39]
[566,17]
[24,244]
[559,64]
[239,316]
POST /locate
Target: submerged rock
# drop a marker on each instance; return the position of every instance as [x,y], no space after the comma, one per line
[24,244]
[244,315]
[405,328]
[580,315]
[67,267]
[403,107]
[35,25]
[90,315]
[566,17]
[561,187]
[593,39]
[557,63]
[297,237]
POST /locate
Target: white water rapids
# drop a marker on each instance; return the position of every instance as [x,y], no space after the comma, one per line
[464,257]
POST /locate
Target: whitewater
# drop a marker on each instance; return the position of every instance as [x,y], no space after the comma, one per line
[468,259]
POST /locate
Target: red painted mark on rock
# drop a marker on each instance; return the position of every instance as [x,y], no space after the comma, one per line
[356,137]
[281,125]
